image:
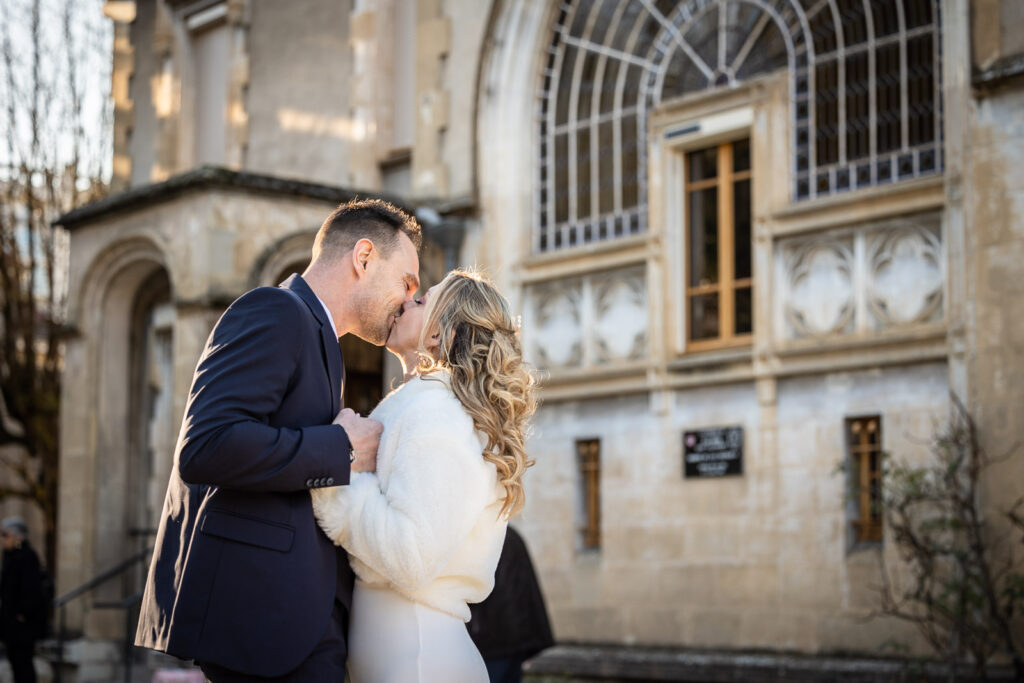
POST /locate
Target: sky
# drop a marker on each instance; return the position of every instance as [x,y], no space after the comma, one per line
[85,49]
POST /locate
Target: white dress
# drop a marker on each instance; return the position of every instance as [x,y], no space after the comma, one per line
[423,535]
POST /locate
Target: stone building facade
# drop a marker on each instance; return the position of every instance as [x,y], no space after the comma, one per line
[750,238]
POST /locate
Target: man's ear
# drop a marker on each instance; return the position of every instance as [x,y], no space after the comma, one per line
[362,253]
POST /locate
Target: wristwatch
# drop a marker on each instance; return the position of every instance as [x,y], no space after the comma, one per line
[351,454]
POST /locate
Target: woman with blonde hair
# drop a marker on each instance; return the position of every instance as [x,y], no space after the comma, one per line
[424,533]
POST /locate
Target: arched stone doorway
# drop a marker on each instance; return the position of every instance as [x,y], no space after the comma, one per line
[153,425]
[119,391]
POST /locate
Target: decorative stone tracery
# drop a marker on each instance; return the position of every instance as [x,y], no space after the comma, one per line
[862,280]
[905,275]
[611,304]
[820,281]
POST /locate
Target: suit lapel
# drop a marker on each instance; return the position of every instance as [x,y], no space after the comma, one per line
[335,369]
[329,347]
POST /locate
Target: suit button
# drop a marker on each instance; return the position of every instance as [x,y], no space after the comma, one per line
[309,483]
[330,481]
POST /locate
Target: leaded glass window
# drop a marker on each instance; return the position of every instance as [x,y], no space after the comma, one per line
[864,92]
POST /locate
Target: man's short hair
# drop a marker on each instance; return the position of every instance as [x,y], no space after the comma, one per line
[372,219]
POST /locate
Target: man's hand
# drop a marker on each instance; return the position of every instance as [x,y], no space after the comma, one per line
[364,435]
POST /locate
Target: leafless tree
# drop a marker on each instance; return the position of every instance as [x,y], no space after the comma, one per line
[960,581]
[53,57]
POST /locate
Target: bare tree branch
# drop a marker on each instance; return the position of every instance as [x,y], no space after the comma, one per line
[964,584]
[47,160]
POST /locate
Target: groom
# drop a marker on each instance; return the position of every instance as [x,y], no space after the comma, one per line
[242,579]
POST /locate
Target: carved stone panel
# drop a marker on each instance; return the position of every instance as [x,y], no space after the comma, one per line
[558,340]
[819,280]
[860,280]
[595,320]
[621,316]
[905,279]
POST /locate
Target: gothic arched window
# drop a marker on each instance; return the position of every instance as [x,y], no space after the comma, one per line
[865,101]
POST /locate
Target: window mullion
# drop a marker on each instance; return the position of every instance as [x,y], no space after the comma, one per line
[865,481]
[726,292]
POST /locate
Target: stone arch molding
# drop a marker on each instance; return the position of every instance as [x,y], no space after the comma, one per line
[107,267]
[294,248]
[97,398]
[510,60]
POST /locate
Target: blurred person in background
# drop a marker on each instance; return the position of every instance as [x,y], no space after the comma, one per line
[511,625]
[22,603]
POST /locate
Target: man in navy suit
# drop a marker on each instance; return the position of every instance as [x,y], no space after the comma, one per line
[242,579]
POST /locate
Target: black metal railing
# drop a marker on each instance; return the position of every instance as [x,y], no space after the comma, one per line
[127,604]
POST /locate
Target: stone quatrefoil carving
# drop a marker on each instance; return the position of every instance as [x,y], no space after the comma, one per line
[559,335]
[905,275]
[821,290]
[865,280]
[621,317]
[594,320]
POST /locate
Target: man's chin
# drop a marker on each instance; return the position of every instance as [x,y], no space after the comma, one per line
[376,337]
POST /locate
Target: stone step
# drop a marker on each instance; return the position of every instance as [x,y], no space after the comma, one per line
[603,663]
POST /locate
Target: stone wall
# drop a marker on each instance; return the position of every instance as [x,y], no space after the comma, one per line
[300,120]
[994,207]
[760,560]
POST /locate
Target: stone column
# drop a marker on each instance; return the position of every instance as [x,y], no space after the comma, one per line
[237,138]
[166,97]
[77,484]
[122,14]
[433,41]
[365,27]
[990,143]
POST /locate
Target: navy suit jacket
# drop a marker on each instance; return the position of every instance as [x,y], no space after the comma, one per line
[241,575]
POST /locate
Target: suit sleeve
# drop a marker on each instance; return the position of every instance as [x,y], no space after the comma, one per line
[436,492]
[245,372]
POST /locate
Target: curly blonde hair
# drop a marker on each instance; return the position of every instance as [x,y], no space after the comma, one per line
[479,346]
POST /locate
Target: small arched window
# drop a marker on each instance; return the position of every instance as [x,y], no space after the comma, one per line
[864,85]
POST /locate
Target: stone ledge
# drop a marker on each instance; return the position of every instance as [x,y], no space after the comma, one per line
[213,177]
[1003,71]
[619,663]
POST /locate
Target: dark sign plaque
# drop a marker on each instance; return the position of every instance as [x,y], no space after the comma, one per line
[713,452]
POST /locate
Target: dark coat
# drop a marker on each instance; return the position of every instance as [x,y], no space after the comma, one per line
[22,600]
[512,622]
[242,577]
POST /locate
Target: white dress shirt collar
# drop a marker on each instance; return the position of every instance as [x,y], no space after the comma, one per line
[330,318]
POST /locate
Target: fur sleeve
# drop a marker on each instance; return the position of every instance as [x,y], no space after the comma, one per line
[437,489]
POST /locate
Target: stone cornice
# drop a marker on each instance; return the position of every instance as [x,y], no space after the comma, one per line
[1003,71]
[207,178]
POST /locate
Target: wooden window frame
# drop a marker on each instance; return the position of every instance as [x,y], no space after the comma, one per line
[867,526]
[727,283]
[588,459]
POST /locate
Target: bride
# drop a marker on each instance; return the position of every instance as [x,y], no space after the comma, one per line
[424,533]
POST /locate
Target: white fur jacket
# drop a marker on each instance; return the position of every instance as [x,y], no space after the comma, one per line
[427,523]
